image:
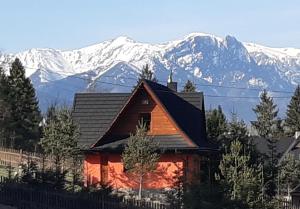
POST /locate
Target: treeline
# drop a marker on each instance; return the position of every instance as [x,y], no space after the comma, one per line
[20,116]
[22,126]
[246,176]
[242,176]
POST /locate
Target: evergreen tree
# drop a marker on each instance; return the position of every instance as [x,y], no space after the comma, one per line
[267,127]
[60,135]
[189,87]
[237,131]
[216,125]
[62,143]
[293,113]
[140,155]
[266,112]
[4,110]
[242,181]
[206,196]
[146,74]
[25,114]
[289,174]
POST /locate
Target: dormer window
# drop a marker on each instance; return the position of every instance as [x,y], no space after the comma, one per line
[146,119]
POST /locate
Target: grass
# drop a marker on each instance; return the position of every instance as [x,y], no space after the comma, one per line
[3,171]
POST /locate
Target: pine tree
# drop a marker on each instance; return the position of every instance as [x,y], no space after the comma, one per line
[267,127]
[140,156]
[216,125]
[293,113]
[237,131]
[289,174]
[189,87]
[4,110]
[25,114]
[147,74]
[60,135]
[241,179]
[266,112]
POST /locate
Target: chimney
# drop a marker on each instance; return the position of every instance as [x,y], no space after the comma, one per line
[297,135]
[172,85]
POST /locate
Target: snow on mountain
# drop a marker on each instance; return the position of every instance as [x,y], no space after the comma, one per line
[207,60]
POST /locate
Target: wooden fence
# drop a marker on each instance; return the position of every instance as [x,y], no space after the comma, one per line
[15,158]
[29,198]
[288,204]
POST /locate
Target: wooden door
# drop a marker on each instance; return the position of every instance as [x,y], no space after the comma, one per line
[104,169]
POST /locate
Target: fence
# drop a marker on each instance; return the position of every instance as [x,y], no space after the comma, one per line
[29,198]
[15,158]
[12,157]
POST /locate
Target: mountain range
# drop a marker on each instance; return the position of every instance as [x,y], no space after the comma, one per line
[231,73]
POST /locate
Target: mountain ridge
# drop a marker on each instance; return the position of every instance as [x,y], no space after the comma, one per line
[205,59]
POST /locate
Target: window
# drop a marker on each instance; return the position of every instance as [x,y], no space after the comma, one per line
[146,119]
[145,101]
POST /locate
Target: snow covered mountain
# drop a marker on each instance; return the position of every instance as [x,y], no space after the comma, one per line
[211,62]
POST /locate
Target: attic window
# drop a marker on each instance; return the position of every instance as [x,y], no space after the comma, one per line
[145,101]
[146,119]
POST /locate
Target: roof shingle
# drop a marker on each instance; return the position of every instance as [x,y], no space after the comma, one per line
[94,113]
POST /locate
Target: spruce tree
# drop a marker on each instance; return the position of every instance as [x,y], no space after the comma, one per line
[60,135]
[147,74]
[242,181]
[237,131]
[4,110]
[293,113]
[289,174]
[266,113]
[266,125]
[189,87]
[140,155]
[25,114]
[216,125]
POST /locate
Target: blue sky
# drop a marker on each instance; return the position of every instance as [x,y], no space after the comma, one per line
[69,24]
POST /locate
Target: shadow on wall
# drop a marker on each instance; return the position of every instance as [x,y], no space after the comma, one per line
[163,177]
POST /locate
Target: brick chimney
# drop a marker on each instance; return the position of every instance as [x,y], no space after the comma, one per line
[172,85]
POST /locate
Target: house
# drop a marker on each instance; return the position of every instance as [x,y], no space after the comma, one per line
[175,120]
[284,146]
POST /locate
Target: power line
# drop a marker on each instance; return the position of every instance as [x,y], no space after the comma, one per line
[244,97]
[206,95]
[197,84]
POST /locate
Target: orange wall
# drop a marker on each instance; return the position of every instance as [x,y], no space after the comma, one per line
[160,123]
[91,165]
[169,165]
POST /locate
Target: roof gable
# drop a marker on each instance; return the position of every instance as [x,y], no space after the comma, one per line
[188,119]
[142,87]
[95,112]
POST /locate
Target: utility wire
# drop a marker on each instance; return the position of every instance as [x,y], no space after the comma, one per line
[197,84]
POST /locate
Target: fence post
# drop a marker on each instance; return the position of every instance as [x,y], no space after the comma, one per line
[21,156]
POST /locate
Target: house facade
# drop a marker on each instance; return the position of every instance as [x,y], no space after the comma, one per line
[176,121]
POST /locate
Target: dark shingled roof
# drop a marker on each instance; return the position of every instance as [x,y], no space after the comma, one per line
[282,144]
[186,115]
[95,112]
[165,142]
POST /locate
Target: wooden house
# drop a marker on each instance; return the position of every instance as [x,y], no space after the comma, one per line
[175,120]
